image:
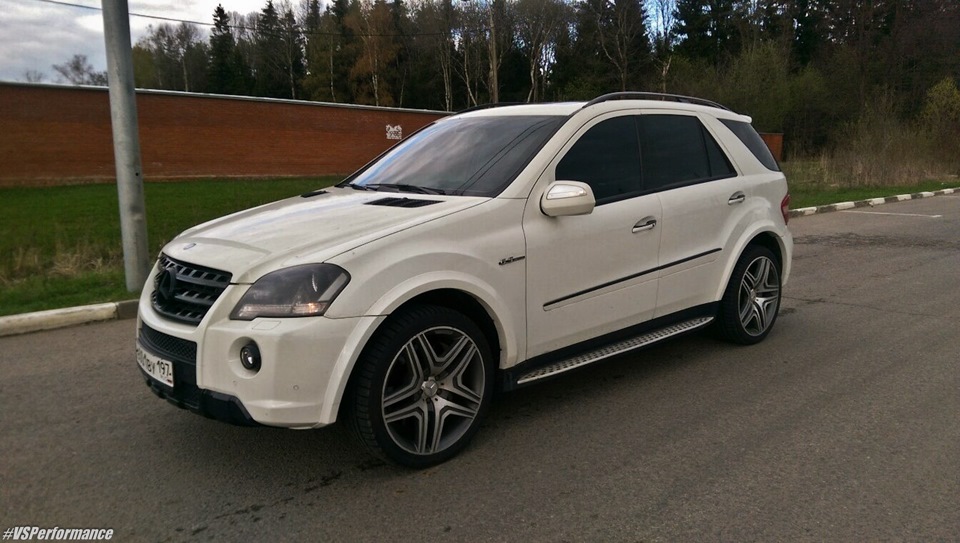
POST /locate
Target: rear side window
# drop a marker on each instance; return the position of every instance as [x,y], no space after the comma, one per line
[754,142]
[607,158]
[677,149]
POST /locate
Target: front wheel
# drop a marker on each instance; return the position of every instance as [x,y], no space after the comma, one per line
[752,299]
[422,386]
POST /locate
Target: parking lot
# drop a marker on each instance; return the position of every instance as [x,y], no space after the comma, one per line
[841,426]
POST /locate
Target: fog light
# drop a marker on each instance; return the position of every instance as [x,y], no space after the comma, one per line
[250,356]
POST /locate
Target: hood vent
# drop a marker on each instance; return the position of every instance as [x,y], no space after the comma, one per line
[402,202]
[313,193]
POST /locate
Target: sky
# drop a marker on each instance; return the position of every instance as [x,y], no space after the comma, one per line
[35,35]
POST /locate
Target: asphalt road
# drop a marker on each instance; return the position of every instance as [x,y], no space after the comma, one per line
[843,426]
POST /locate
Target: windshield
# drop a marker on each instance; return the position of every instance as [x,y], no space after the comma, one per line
[472,156]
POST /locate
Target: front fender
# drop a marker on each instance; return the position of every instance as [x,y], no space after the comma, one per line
[507,330]
[482,292]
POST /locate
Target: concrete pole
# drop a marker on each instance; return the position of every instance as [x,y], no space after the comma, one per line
[494,57]
[126,143]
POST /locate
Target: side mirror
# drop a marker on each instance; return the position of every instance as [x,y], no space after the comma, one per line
[564,198]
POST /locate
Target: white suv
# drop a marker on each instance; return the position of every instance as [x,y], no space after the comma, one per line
[491,249]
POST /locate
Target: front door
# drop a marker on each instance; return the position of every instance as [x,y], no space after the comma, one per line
[592,274]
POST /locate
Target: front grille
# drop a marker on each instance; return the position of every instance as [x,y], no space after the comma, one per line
[185,292]
[168,347]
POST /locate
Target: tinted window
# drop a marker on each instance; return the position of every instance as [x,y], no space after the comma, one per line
[672,150]
[473,156]
[719,163]
[607,158]
[754,142]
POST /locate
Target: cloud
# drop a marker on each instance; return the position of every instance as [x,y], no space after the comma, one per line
[35,35]
[34,32]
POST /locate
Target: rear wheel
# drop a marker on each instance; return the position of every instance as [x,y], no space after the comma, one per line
[751,301]
[423,384]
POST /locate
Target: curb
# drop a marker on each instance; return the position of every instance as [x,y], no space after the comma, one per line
[805,211]
[72,316]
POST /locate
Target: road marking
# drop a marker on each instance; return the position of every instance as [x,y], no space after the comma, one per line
[897,214]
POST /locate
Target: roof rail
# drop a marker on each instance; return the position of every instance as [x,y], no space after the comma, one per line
[488,106]
[654,96]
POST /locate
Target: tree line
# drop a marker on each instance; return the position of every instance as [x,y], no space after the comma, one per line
[805,67]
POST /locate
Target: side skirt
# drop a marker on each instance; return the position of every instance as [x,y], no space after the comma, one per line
[636,337]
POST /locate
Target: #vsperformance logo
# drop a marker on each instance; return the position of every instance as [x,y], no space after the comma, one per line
[36,533]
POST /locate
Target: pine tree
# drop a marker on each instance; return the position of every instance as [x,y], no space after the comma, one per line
[343,49]
[707,29]
[809,36]
[399,71]
[269,73]
[226,66]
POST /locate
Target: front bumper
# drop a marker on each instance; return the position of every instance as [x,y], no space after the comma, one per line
[306,363]
[212,405]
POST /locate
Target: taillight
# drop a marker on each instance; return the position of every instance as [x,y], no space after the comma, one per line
[785,208]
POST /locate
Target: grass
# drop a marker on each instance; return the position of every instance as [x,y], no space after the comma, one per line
[49,292]
[804,193]
[61,245]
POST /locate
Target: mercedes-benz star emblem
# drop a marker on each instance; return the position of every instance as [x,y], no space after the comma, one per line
[166,285]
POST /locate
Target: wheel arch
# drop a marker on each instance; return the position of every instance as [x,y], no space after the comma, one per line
[470,304]
[763,237]
[463,302]
[770,241]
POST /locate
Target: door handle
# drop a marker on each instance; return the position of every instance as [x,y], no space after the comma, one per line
[736,198]
[644,224]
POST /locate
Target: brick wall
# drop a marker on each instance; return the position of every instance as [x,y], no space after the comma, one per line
[52,134]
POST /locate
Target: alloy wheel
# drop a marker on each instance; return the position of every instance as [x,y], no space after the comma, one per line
[759,297]
[433,390]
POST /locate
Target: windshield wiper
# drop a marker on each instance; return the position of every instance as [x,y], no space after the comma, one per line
[355,186]
[403,187]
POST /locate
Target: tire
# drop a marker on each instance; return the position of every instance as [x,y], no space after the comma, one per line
[422,386]
[751,300]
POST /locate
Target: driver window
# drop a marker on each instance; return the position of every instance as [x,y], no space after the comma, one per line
[607,158]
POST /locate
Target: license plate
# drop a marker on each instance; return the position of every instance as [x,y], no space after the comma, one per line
[156,367]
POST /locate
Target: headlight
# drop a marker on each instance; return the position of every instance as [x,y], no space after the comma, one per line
[300,291]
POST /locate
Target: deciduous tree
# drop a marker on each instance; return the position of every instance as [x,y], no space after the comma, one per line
[79,71]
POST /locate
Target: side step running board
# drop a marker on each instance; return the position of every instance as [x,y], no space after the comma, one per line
[621,347]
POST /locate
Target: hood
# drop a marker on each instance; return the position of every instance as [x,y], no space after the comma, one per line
[256,241]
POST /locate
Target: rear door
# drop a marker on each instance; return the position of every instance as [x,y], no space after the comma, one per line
[700,194]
